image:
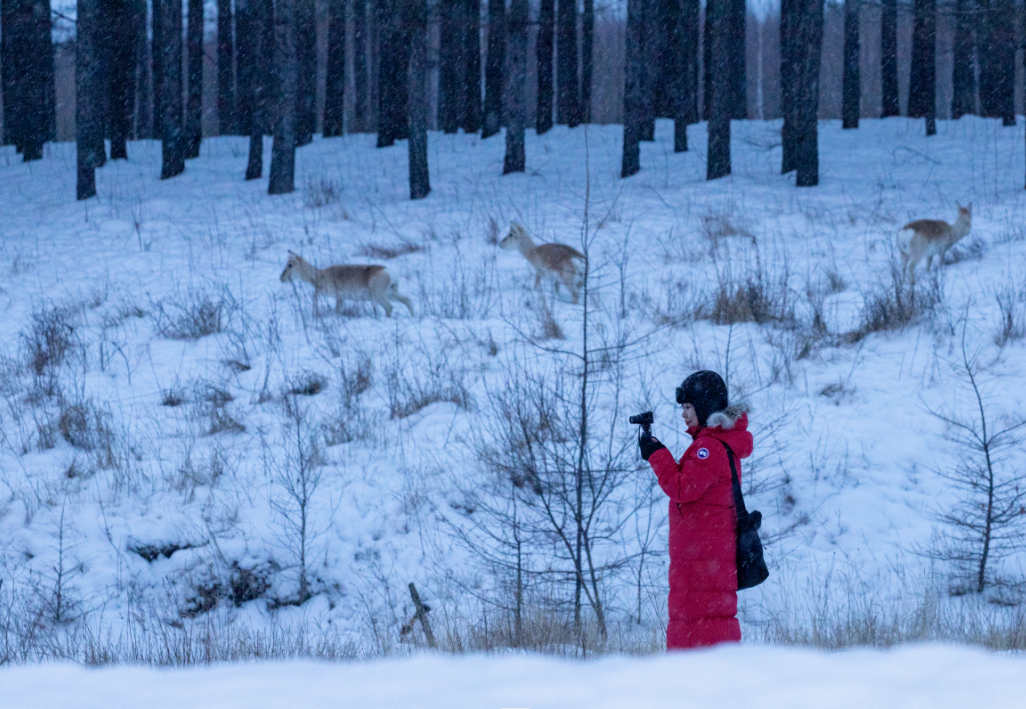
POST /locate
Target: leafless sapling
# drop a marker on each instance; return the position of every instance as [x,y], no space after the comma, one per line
[987,521]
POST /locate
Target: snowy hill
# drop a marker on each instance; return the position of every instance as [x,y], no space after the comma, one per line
[163,391]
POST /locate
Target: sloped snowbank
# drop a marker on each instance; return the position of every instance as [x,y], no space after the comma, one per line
[939,677]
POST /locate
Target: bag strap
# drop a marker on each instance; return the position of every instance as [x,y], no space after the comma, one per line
[739,500]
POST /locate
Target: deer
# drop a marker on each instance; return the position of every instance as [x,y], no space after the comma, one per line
[931,237]
[555,261]
[372,283]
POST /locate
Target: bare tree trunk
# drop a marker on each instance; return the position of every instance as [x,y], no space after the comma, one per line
[143,125]
[393,93]
[587,58]
[922,92]
[167,59]
[889,58]
[685,47]
[226,123]
[544,52]
[707,57]
[27,65]
[718,160]
[809,44]
[88,134]
[633,72]
[306,48]
[649,68]
[851,89]
[125,18]
[471,70]
[789,10]
[449,62]
[738,76]
[255,21]
[494,68]
[517,87]
[963,77]
[416,19]
[8,59]
[361,102]
[194,111]
[37,79]
[286,61]
[335,72]
[567,95]
[997,60]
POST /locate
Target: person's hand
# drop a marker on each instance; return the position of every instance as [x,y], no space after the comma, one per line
[649,445]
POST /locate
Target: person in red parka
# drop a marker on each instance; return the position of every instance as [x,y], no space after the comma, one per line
[703,522]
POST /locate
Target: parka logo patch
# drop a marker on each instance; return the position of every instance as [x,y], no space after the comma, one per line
[703,453]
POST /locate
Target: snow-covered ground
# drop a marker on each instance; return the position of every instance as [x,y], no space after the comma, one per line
[927,676]
[144,472]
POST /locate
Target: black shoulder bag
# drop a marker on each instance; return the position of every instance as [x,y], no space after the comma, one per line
[751,566]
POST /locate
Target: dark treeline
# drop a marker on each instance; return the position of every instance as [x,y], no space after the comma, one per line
[398,67]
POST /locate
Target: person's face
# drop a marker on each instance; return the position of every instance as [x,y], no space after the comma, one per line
[690,417]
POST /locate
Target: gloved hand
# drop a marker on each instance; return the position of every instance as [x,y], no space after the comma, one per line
[649,445]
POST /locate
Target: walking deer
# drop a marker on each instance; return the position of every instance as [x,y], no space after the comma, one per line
[931,237]
[555,261]
[371,283]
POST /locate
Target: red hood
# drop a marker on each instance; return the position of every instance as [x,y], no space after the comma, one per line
[736,436]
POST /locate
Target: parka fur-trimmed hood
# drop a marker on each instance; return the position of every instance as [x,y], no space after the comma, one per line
[729,416]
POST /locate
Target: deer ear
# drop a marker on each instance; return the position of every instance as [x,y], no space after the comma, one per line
[293,253]
[959,204]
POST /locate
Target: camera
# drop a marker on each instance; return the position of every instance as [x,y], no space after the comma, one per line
[645,421]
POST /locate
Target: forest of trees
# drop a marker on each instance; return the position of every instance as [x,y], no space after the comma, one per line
[467,65]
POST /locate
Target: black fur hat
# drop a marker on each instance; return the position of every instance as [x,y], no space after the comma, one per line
[705,391]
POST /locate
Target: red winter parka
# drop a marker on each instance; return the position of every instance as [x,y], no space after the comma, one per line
[703,531]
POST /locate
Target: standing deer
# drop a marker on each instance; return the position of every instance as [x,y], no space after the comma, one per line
[555,261]
[931,237]
[371,283]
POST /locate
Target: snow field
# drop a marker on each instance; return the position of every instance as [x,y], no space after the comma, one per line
[166,425]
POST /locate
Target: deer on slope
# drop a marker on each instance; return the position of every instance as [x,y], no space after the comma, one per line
[555,261]
[372,283]
[931,237]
